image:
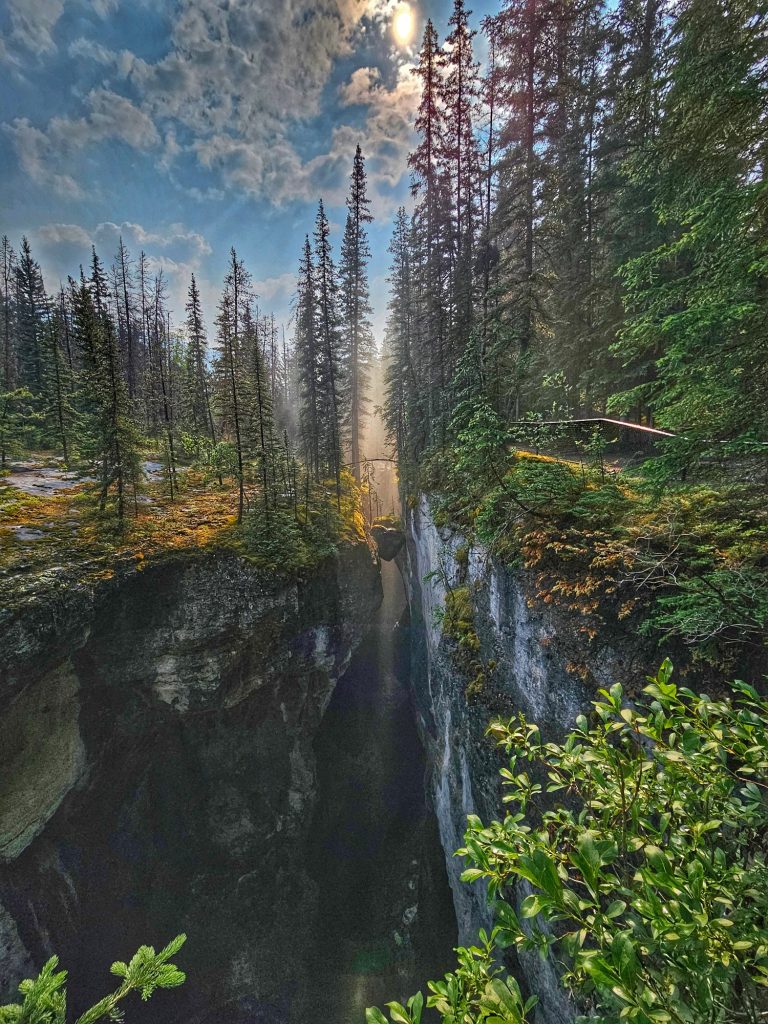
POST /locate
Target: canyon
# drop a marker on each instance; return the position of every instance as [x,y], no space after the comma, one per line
[282,769]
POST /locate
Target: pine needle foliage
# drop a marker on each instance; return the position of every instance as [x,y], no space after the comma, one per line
[45,1000]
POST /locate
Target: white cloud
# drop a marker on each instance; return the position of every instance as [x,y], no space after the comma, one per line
[241,78]
[103,7]
[39,158]
[173,248]
[110,116]
[43,154]
[33,22]
[64,234]
[173,236]
[387,136]
[121,62]
[282,286]
[359,87]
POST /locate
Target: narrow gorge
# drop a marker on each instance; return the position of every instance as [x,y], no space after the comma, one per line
[284,772]
[280,767]
[192,746]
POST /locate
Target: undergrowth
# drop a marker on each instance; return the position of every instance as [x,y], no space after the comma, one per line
[687,561]
[66,535]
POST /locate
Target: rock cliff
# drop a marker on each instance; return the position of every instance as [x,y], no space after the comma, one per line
[158,772]
[526,648]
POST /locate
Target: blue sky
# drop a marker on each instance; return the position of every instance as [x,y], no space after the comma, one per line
[189,126]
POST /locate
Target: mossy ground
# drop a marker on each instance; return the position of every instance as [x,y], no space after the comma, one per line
[65,533]
[684,561]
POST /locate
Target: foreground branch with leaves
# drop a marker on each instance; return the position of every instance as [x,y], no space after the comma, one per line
[45,1000]
[639,841]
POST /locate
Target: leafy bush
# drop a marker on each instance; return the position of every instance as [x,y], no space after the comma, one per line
[213,459]
[478,991]
[648,882]
[45,1000]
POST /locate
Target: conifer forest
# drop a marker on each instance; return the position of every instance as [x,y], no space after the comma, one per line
[384,511]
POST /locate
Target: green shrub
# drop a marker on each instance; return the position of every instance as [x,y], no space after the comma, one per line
[648,886]
[44,997]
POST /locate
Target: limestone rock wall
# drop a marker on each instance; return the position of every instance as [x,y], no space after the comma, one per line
[158,773]
[531,645]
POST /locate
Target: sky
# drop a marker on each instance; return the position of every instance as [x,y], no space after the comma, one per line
[190,126]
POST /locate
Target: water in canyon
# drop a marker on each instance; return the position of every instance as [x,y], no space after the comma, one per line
[308,891]
[386,917]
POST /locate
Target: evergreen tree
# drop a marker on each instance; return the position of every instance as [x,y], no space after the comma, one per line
[7,280]
[522,29]
[308,361]
[460,88]
[113,441]
[697,303]
[431,257]
[31,318]
[197,392]
[125,305]
[59,414]
[231,365]
[356,308]
[627,225]
[259,429]
[401,399]
[160,370]
[568,230]
[330,389]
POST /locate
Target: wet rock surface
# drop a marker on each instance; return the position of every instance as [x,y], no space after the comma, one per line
[390,542]
[44,481]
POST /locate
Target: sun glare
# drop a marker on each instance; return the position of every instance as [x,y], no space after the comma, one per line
[403,24]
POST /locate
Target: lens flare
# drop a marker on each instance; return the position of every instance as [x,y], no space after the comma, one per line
[403,24]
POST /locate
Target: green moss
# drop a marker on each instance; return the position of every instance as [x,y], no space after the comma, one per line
[389,521]
[458,615]
[689,560]
[82,543]
[475,688]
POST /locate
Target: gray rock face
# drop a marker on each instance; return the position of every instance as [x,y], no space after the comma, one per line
[158,773]
[531,644]
[390,542]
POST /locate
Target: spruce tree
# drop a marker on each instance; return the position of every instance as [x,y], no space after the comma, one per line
[7,280]
[31,317]
[627,224]
[400,383]
[113,441]
[330,382]
[460,88]
[522,29]
[356,308]
[432,257]
[125,304]
[308,361]
[197,390]
[697,304]
[160,370]
[258,422]
[234,310]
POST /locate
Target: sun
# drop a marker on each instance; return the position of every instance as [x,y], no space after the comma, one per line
[403,24]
